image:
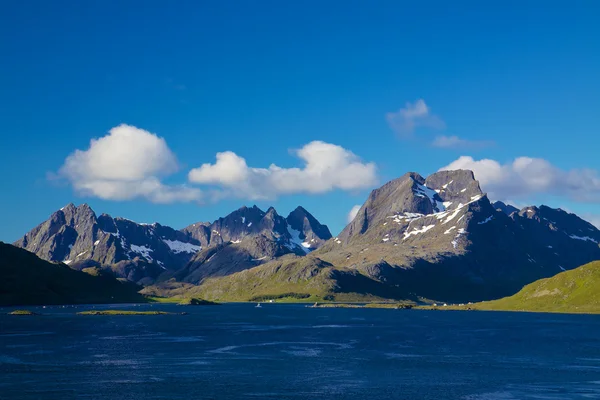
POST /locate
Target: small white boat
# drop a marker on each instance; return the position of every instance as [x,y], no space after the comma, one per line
[258,305]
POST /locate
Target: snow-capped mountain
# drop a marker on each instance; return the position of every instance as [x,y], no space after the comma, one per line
[441,238]
[249,237]
[77,237]
[438,238]
[141,252]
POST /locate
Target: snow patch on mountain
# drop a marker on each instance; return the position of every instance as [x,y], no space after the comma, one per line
[424,191]
[295,240]
[180,247]
[449,230]
[417,231]
[143,251]
[459,233]
[488,219]
[585,238]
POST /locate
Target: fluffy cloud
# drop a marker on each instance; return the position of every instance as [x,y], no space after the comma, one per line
[326,167]
[407,119]
[126,164]
[525,177]
[353,212]
[450,142]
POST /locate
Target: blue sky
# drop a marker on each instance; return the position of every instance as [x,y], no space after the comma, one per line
[264,79]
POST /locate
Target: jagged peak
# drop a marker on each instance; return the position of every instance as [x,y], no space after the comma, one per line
[415,176]
[506,208]
[301,213]
[300,209]
[69,206]
[529,210]
[272,211]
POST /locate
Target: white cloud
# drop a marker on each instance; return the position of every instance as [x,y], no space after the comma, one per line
[353,212]
[525,177]
[456,142]
[326,167]
[126,164]
[407,119]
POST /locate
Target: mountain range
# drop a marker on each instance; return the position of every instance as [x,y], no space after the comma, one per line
[438,238]
[142,252]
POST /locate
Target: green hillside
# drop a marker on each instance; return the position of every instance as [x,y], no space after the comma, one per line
[26,279]
[288,278]
[574,291]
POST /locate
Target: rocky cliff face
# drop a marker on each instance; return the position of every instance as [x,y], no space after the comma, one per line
[143,252]
[441,238]
[249,237]
[74,235]
[437,237]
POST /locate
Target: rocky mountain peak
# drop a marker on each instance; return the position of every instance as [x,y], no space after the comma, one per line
[454,187]
[249,237]
[505,208]
[271,213]
[407,195]
[529,212]
[74,234]
[69,208]
[560,221]
[310,231]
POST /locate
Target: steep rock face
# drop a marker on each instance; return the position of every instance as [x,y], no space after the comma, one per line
[74,234]
[142,252]
[441,238]
[556,238]
[454,187]
[249,237]
[302,224]
[411,197]
[407,194]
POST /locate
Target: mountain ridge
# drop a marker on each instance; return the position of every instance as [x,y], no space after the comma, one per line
[143,253]
[441,238]
[438,237]
[29,280]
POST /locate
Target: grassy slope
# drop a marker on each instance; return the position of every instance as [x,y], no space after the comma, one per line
[25,279]
[574,291]
[305,279]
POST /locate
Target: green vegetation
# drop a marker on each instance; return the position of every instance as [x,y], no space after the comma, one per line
[287,279]
[123,312]
[575,291]
[22,312]
[197,302]
[292,295]
[165,300]
[26,279]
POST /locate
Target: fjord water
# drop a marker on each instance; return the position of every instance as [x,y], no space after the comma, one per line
[293,352]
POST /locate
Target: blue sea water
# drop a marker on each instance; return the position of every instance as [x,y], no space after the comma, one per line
[279,351]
